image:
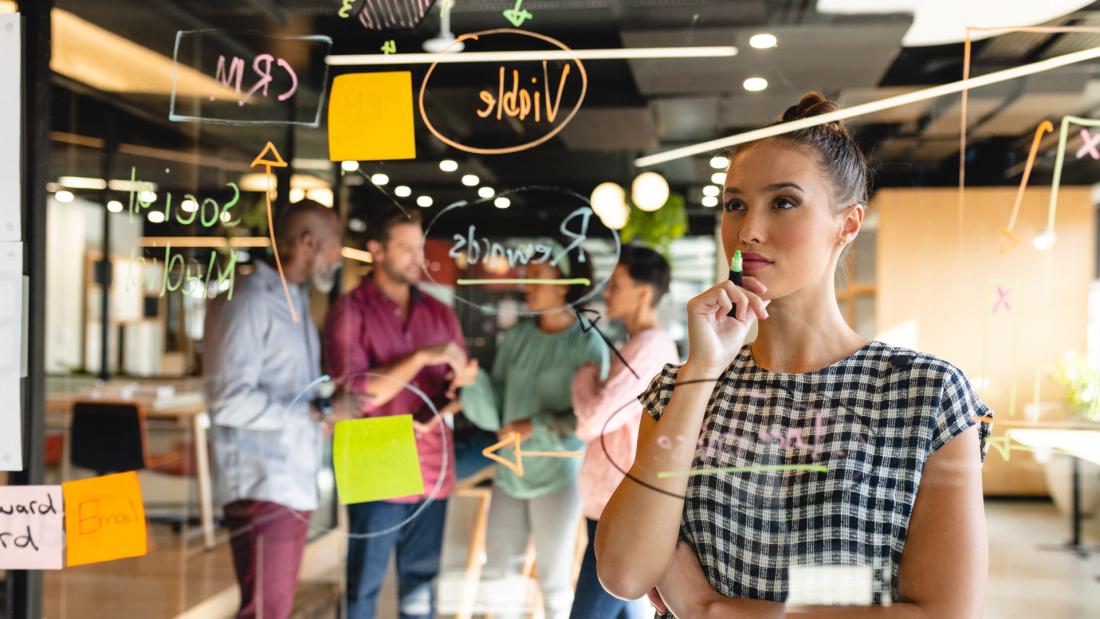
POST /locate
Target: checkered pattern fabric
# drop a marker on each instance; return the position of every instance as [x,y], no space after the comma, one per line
[872,419]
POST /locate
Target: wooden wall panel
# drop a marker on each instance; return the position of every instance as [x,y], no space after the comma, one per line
[939,298]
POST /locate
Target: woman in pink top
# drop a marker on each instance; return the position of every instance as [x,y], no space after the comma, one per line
[611,408]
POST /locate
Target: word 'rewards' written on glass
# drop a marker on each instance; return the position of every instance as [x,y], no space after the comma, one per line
[174,270]
[484,259]
[227,85]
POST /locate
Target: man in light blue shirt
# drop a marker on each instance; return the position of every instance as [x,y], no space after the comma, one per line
[259,365]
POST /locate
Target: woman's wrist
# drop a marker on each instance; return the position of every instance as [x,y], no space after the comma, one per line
[696,370]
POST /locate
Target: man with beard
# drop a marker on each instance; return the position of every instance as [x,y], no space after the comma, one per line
[380,337]
[267,434]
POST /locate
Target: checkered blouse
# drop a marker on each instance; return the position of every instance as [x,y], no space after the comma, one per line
[872,419]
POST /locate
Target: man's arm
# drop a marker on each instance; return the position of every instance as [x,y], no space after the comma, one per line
[233,337]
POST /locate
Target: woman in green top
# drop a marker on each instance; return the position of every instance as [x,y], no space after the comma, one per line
[528,392]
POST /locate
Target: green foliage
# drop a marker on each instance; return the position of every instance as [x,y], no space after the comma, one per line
[1082,380]
[659,228]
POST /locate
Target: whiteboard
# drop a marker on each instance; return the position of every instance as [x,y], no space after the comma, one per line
[11,332]
[11,54]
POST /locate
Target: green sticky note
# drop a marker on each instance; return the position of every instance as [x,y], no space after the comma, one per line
[375,459]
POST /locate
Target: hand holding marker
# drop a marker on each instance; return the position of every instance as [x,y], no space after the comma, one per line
[735,277]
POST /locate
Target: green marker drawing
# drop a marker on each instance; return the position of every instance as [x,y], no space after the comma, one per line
[818,468]
[559,282]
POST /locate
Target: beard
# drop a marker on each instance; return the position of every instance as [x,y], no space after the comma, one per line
[398,276]
[324,276]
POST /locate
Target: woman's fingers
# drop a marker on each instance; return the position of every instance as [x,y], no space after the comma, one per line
[746,301]
[753,285]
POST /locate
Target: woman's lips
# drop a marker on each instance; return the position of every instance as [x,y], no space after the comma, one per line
[754,265]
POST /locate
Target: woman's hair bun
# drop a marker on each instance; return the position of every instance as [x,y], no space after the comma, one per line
[813,104]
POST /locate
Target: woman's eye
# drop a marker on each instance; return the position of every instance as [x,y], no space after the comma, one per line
[734,205]
[785,203]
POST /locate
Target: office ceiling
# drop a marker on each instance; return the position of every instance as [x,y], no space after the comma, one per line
[632,107]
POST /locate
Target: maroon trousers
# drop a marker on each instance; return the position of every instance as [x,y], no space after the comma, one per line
[267,540]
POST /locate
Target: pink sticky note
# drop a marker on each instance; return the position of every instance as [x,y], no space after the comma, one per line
[31,528]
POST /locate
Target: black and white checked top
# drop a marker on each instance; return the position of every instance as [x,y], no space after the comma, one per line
[872,419]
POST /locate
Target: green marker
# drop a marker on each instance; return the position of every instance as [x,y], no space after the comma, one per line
[735,277]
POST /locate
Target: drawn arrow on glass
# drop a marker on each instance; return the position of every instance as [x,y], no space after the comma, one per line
[1008,239]
[592,325]
[513,440]
[517,15]
[269,158]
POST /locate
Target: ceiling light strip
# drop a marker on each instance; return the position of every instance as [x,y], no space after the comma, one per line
[870,107]
[702,51]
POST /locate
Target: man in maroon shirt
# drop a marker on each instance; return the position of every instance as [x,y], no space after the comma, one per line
[390,328]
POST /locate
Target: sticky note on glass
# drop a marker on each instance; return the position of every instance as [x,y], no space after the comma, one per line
[104,519]
[31,528]
[375,459]
[370,117]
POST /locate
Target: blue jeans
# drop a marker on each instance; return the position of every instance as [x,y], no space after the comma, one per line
[592,601]
[418,544]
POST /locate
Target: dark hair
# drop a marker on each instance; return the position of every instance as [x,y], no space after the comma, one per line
[646,266]
[841,158]
[383,219]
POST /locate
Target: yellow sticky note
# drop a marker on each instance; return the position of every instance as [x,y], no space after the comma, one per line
[370,117]
[104,519]
[375,459]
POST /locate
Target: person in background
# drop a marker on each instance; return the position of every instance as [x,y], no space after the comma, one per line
[389,327]
[636,286]
[528,392]
[259,366]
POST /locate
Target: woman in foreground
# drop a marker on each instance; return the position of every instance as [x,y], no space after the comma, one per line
[812,473]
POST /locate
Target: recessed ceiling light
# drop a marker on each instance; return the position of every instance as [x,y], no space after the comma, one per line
[502,202]
[755,84]
[402,191]
[718,178]
[470,180]
[379,179]
[64,196]
[448,165]
[114,206]
[148,197]
[763,40]
[82,182]
[711,191]
[709,201]
[486,192]
[349,166]
[357,225]
[424,201]
[188,205]
[156,216]
[226,217]
[719,162]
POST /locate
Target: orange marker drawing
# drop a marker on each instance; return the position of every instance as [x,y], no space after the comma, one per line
[275,160]
[513,440]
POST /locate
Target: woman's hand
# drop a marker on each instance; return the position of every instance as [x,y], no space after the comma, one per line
[522,427]
[715,338]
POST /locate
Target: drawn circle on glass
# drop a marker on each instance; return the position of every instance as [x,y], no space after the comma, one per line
[582,212]
[477,36]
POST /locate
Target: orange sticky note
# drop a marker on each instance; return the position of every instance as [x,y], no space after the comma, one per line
[104,519]
[370,117]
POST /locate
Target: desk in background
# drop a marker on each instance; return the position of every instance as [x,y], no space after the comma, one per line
[189,410]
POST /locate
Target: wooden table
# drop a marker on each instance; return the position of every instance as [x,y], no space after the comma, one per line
[1081,445]
[189,412]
